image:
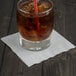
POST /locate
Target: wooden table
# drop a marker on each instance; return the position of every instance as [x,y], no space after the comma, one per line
[63,64]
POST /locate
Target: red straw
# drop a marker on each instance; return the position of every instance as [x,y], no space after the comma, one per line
[36,12]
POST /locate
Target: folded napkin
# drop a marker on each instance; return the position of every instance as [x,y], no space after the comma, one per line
[58,44]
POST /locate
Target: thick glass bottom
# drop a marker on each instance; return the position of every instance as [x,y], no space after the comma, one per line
[34,45]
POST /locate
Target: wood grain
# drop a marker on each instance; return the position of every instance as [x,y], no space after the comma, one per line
[63,64]
[5,16]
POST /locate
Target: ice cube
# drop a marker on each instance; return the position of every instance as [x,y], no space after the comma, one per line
[40,8]
[26,8]
[45,5]
[31,6]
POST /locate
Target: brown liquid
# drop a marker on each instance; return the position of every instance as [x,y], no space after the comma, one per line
[27,23]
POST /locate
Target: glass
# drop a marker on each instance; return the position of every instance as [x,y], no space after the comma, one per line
[35,29]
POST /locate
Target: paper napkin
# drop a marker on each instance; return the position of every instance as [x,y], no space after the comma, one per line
[58,44]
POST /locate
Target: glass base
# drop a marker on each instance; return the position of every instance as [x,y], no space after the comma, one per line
[34,45]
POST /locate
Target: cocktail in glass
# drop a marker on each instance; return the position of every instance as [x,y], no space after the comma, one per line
[35,28]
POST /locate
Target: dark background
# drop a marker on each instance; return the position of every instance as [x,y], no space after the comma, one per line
[64,23]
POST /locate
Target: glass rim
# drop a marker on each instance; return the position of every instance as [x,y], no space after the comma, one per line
[34,12]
